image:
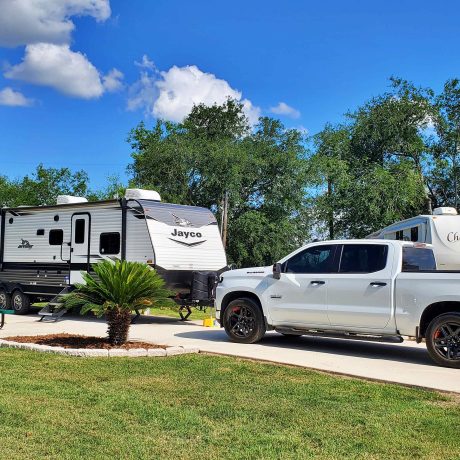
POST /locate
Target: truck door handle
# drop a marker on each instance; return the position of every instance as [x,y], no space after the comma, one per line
[377,284]
[317,283]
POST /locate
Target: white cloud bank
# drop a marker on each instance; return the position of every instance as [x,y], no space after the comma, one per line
[283,109]
[171,94]
[45,27]
[14,98]
[24,22]
[70,72]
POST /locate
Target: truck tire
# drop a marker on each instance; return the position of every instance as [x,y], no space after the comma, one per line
[243,321]
[443,340]
[20,303]
[5,300]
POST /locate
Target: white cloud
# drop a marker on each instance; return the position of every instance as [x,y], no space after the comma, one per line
[70,72]
[24,22]
[146,63]
[14,98]
[283,109]
[172,94]
[113,81]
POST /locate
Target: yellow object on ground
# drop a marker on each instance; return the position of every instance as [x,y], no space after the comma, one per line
[208,322]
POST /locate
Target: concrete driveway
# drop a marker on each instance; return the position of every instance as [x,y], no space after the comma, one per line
[407,363]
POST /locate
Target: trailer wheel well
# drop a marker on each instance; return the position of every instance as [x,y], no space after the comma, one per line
[434,310]
[239,295]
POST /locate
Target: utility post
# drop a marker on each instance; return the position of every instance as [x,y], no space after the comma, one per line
[224,220]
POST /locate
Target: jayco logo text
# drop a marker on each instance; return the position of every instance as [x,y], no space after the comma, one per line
[186,234]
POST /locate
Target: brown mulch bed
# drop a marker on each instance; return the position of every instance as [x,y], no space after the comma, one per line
[76,341]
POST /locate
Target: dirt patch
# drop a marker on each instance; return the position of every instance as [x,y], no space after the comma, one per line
[77,341]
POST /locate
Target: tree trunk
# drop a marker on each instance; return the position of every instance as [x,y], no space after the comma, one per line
[118,322]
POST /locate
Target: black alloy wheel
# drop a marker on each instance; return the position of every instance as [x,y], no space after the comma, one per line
[243,321]
[443,340]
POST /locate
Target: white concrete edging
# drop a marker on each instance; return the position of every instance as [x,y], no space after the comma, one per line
[101,352]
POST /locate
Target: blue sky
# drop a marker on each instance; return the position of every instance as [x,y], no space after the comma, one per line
[77,75]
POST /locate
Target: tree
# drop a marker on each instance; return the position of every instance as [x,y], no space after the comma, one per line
[43,187]
[446,147]
[213,153]
[116,290]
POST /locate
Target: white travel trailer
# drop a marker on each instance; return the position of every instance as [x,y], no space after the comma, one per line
[43,249]
[442,230]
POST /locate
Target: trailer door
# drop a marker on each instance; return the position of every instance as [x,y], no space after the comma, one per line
[79,246]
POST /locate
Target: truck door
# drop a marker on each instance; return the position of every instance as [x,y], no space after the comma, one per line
[79,246]
[299,297]
[360,295]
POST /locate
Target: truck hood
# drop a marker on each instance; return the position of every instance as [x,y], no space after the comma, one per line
[249,272]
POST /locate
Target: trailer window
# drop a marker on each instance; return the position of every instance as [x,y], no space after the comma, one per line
[363,258]
[414,234]
[417,259]
[56,237]
[109,243]
[80,231]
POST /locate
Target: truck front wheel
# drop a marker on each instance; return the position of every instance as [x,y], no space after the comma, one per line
[443,340]
[243,321]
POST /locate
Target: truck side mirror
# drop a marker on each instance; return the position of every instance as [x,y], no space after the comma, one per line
[277,271]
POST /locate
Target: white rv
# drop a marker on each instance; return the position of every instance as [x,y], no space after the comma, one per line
[442,230]
[44,249]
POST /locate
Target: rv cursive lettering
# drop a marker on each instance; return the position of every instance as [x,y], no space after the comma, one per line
[186,234]
[452,237]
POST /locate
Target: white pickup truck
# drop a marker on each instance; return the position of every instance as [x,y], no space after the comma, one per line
[364,289]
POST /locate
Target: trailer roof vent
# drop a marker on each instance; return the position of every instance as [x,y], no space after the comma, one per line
[444,211]
[140,194]
[68,199]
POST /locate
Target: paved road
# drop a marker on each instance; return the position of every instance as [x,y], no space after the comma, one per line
[406,363]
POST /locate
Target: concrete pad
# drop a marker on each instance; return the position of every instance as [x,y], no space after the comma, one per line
[406,363]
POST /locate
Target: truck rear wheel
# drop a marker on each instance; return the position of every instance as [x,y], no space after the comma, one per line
[243,321]
[443,340]
[20,303]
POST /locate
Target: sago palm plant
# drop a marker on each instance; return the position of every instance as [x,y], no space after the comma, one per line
[117,289]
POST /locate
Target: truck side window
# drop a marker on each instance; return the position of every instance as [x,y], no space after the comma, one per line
[363,258]
[318,259]
[109,243]
[417,259]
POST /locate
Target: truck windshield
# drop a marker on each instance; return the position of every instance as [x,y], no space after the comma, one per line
[417,259]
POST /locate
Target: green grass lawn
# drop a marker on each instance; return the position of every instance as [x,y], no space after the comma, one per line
[210,407]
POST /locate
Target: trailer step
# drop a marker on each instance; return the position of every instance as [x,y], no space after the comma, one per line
[54,309]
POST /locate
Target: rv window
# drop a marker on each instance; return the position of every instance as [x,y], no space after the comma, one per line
[109,243]
[56,237]
[417,259]
[40,232]
[363,258]
[80,231]
[414,234]
[400,235]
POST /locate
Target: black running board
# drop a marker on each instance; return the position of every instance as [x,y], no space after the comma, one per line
[341,335]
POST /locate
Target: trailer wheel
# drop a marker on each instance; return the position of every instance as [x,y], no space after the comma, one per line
[243,321]
[5,300]
[20,303]
[443,340]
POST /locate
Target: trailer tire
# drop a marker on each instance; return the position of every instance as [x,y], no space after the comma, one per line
[243,321]
[443,340]
[20,303]
[5,300]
